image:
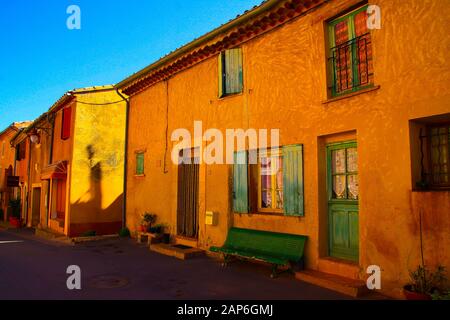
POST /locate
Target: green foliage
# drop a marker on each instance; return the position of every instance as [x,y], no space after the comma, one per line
[149,218]
[90,233]
[15,205]
[124,233]
[425,281]
[441,296]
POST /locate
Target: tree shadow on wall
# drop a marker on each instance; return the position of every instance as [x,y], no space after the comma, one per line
[94,216]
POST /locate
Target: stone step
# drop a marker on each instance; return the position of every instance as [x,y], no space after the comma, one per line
[178,251]
[347,286]
[49,234]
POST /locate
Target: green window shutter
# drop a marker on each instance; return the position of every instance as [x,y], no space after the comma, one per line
[293,192]
[221,75]
[139,163]
[230,69]
[240,182]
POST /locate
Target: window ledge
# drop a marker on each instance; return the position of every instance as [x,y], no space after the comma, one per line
[139,175]
[431,190]
[352,94]
[231,95]
[276,214]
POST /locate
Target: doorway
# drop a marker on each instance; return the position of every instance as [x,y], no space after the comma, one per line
[187,199]
[343,199]
[36,207]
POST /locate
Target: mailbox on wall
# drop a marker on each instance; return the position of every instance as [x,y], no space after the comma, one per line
[211,218]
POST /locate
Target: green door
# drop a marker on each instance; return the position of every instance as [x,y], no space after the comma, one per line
[343,195]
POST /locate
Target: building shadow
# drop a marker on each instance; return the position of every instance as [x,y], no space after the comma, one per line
[90,216]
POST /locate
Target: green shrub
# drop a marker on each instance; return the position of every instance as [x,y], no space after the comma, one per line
[441,296]
[124,233]
[426,281]
[90,233]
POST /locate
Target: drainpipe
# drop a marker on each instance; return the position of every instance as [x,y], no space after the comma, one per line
[125,166]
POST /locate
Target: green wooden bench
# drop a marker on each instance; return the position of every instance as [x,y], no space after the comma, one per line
[278,249]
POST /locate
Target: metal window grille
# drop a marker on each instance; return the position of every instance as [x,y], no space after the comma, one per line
[351,64]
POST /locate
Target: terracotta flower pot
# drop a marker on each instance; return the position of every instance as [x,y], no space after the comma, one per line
[412,295]
[16,223]
[142,228]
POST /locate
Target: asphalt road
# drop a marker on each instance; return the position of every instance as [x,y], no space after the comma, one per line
[33,268]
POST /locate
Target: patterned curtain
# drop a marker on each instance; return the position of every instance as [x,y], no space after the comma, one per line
[364,47]
[344,77]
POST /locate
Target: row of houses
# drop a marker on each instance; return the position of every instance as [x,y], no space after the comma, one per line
[362,166]
[67,165]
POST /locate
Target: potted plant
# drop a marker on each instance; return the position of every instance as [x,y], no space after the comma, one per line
[14,218]
[166,234]
[147,220]
[157,229]
[425,283]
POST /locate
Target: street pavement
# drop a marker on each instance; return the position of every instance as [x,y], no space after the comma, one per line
[34,268]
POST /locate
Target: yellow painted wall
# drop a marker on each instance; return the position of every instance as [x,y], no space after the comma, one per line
[285,87]
[96,187]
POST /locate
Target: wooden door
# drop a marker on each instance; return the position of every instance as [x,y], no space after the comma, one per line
[187,200]
[36,207]
[61,199]
[343,196]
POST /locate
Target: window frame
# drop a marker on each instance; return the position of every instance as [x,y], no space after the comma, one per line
[66,132]
[268,153]
[345,145]
[350,17]
[429,155]
[138,154]
[223,76]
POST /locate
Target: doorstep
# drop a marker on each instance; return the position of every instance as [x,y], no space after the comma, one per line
[178,251]
[76,240]
[347,286]
[339,267]
[52,235]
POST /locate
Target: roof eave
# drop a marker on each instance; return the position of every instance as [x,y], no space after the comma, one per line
[202,40]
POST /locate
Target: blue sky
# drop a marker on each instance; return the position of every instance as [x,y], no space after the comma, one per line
[41,58]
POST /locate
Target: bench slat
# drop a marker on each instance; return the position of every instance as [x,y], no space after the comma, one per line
[277,248]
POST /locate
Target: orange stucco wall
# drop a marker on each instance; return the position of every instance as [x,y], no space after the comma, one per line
[7,155]
[285,86]
[39,159]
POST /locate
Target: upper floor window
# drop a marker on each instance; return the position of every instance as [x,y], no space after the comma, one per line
[21,150]
[66,123]
[350,52]
[230,72]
